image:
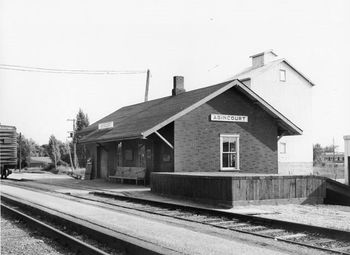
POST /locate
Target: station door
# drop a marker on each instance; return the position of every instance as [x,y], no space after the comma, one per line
[103,164]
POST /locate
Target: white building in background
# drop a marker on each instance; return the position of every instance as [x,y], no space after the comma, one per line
[290,92]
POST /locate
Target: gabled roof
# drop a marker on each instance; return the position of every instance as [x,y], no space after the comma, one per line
[250,71]
[141,120]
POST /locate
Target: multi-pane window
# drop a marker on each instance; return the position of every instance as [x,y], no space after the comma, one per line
[283,76]
[229,148]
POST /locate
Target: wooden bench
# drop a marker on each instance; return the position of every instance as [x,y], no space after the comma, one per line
[129,173]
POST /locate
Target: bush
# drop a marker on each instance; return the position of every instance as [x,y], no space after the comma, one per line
[49,167]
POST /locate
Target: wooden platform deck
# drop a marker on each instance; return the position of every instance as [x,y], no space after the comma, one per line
[230,189]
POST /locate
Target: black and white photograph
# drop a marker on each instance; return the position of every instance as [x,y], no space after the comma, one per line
[175,127]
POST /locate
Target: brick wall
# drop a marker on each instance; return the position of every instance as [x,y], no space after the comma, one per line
[197,139]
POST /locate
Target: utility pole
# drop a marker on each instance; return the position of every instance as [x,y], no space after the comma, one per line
[335,175]
[147,85]
[20,152]
[74,144]
[70,155]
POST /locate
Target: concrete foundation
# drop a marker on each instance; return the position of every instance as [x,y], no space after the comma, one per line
[295,168]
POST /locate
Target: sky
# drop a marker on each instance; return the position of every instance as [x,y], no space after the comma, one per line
[204,41]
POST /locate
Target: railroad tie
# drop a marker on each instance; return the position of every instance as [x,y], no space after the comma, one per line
[237,225]
[291,236]
[199,218]
[250,228]
[320,241]
[161,210]
[270,231]
[174,213]
[211,221]
[342,249]
[227,223]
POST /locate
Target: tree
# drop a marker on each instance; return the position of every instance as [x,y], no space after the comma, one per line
[44,150]
[23,150]
[34,148]
[330,148]
[82,120]
[26,148]
[317,152]
[81,152]
[64,151]
[54,150]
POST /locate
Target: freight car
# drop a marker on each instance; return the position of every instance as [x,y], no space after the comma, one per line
[8,149]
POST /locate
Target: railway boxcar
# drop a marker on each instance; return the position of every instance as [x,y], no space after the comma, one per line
[8,149]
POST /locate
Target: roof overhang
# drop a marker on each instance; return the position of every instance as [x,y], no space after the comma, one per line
[93,137]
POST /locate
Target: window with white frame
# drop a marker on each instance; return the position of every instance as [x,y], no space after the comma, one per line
[283,75]
[229,152]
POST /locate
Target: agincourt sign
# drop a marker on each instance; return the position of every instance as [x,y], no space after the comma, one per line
[228,118]
[105,125]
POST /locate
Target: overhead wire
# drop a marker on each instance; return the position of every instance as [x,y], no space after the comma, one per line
[68,71]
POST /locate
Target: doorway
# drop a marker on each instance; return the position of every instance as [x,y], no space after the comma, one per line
[102,163]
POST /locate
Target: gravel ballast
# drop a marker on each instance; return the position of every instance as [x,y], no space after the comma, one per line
[17,238]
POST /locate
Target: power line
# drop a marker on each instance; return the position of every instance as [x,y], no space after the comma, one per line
[68,71]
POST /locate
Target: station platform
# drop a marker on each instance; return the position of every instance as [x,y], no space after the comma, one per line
[231,189]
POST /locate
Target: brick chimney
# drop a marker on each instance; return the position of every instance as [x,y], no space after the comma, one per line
[178,85]
[260,59]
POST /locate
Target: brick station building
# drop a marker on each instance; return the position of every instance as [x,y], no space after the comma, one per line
[224,127]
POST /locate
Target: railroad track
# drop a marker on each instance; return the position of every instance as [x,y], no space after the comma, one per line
[325,239]
[79,238]
[329,240]
[74,244]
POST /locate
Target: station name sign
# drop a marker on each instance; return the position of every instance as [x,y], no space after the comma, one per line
[228,118]
[105,125]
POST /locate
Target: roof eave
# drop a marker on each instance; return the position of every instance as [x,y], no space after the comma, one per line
[300,73]
[115,139]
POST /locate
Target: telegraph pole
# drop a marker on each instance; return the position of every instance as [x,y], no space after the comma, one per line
[147,85]
[20,151]
[70,154]
[333,166]
[74,144]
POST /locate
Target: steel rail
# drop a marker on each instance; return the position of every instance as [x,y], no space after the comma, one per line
[292,225]
[338,235]
[117,240]
[75,244]
[250,219]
